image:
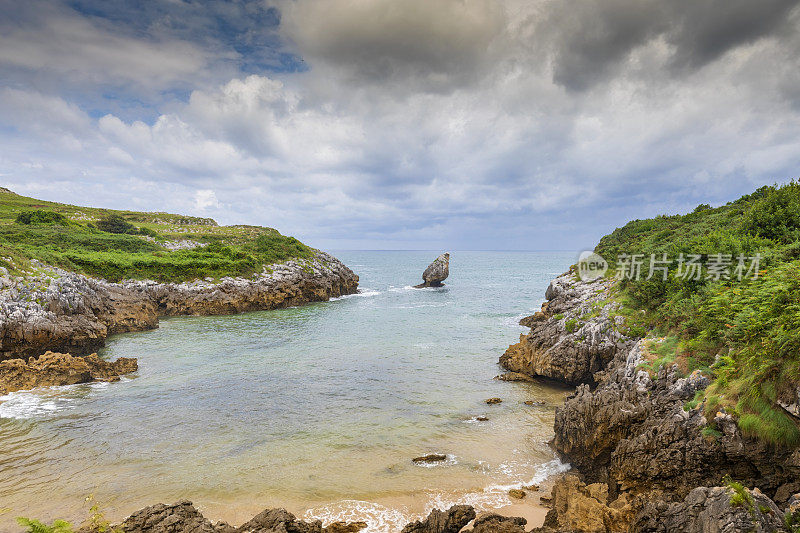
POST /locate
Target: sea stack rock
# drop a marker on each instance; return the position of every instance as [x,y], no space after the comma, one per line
[436,272]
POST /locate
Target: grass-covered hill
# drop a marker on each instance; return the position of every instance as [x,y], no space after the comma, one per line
[119,245]
[745,335]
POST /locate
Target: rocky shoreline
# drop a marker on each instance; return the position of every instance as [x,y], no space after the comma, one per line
[61,311]
[642,460]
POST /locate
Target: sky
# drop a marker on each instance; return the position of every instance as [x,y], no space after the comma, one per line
[401,124]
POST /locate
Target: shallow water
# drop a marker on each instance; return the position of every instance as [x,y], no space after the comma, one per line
[318,408]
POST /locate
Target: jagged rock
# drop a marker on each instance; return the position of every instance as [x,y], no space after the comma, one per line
[344,527]
[572,338]
[709,509]
[71,313]
[436,272]
[584,508]
[180,517]
[279,521]
[60,369]
[430,458]
[450,521]
[495,523]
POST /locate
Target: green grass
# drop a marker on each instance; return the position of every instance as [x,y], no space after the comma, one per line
[745,335]
[73,238]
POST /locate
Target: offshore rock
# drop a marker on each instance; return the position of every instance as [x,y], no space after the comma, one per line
[436,272]
[67,312]
[451,521]
[53,369]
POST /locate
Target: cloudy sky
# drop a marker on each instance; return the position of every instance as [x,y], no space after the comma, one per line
[457,124]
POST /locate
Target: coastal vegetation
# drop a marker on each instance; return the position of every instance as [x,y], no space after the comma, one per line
[117,245]
[744,334]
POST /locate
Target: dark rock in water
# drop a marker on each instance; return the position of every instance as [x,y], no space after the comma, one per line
[431,458]
[451,521]
[482,418]
[492,401]
[436,272]
[495,523]
[533,403]
[279,521]
[517,494]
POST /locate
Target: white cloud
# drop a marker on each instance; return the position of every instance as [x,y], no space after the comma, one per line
[205,199]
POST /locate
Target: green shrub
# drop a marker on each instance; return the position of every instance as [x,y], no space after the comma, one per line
[41,217]
[115,224]
[35,526]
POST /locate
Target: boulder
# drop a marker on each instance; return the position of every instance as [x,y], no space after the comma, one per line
[179,517]
[712,509]
[436,272]
[584,508]
[53,369]
[451,521]
[495,523]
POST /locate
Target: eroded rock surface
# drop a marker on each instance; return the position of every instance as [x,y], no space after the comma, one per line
[436,272]
[451,521]
[68,312]
[60,369]
[628,433]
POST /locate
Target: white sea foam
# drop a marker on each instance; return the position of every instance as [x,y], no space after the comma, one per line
[379,518]
[513,322]
[30,404]
[543,472]
[364,293]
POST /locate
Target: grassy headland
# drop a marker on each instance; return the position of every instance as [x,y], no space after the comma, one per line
[119,245]
[743,334]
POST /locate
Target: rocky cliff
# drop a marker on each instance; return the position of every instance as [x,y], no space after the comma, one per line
[645,462]
[56,310]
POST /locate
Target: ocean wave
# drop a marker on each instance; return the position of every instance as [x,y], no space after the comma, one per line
[46,401]
[513,321]
[29,404]
[361,293]
[408,288]
[543,471]
[379,518]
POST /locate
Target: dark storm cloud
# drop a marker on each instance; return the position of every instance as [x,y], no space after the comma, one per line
[590,40]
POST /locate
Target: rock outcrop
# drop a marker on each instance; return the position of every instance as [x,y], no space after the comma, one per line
[68,312]
[183,517]
[436,272]
[639,452]
[60,369]
[451,521]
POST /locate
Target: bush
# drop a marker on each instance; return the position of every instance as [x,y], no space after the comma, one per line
[115,224]
[41,217]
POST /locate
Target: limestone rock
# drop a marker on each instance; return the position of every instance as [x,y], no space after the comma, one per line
[584,508]
[180,517]
[67,312]
[495,523]
[279,521]
[451,521]
[60,369]
[517,494]
[573,337]
[436,272]
[709,509]
[494,401]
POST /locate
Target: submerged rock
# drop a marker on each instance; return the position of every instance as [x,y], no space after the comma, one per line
[451,521]
[517,494]
[430,458]
[53,369]
[436,272]
[494,401]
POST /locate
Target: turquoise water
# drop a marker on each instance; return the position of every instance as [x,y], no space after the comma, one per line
[318,408]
